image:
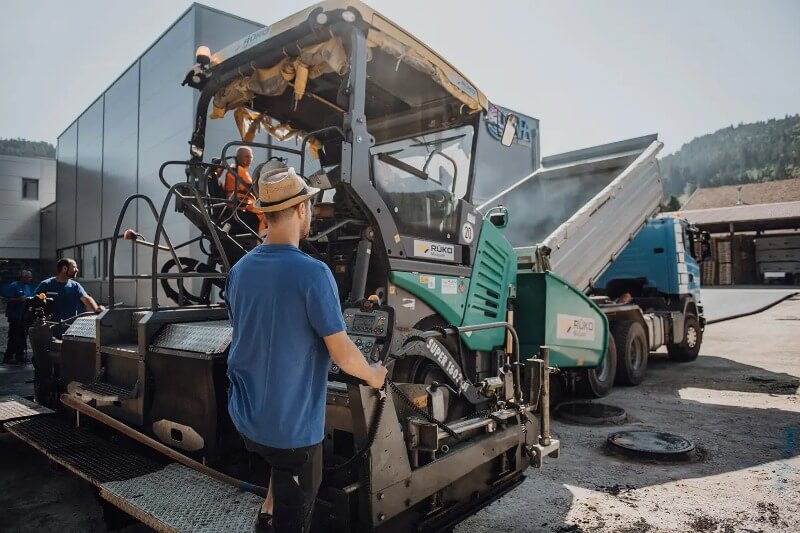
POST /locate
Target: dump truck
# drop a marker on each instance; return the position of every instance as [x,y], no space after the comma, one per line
[591,217]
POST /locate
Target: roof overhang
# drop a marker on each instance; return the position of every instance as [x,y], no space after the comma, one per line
[761,217]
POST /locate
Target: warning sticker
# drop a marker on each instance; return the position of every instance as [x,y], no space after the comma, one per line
[575,327]
[429,281]
[449,286]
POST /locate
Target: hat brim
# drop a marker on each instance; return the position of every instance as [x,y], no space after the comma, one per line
[291,202]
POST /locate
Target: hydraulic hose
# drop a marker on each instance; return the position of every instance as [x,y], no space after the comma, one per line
[103,418]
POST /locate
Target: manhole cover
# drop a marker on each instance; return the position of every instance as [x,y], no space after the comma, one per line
[651,443]
[590,413]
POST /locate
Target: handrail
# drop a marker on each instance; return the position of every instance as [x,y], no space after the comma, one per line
[184,164]
[308,136]
[259,145]
[114,239]
[160,228]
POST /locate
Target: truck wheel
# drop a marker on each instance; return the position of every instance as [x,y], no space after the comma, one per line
[689,348]
[597,382]
[633,351]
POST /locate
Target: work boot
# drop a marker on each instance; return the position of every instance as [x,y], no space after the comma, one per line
[263,523]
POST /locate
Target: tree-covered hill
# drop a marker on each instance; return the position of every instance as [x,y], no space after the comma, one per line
[26,148]
[747,153]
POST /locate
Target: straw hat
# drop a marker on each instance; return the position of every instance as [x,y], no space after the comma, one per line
[281,188]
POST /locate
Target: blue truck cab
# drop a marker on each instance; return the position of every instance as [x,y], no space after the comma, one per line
[658,261]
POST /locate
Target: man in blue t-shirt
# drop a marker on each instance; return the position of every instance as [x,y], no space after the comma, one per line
[287,325]
[69,297]
[16,294]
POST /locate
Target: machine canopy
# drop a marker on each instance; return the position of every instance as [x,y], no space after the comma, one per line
[299,88]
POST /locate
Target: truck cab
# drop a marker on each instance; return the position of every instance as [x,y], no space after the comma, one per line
[659,262]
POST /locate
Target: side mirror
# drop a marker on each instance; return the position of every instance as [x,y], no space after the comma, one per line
[509,130]
[498,216]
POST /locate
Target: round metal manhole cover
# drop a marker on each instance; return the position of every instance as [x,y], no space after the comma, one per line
[590,413]
[651,443]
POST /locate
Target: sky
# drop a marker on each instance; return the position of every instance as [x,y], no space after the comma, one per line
[591,71]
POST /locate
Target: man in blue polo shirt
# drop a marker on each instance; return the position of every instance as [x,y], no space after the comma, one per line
[287,325]
[16,294]
[69,297]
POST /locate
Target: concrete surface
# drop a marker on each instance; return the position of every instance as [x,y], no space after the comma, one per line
[738,402]
[721,303]
[14,379]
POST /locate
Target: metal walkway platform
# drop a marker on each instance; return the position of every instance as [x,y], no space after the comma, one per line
[15,407]
[168,497]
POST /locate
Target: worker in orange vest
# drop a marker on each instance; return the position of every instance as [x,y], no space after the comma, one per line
[244,194]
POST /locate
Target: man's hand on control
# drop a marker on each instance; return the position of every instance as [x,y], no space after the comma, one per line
[378,376]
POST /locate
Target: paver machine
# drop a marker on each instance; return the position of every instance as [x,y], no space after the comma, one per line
[400,141]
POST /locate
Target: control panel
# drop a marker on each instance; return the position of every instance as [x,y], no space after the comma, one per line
[369,326]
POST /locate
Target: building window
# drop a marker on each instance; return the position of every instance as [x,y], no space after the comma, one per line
[30,189]
[91,266]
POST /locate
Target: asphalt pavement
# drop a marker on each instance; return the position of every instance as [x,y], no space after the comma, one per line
[724,303]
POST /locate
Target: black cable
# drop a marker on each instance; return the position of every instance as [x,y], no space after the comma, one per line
[371,435]
[419,412]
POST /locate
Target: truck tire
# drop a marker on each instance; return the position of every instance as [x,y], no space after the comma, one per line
[689,348]
[632,351]
[598,382]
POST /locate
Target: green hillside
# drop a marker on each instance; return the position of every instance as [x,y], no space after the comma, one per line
[26,148]
[747,153]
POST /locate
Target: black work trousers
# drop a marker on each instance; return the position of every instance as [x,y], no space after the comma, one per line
[17,344]
[296,475]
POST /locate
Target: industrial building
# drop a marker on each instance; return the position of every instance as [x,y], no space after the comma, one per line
[115,147]
[755,232]
[27,184]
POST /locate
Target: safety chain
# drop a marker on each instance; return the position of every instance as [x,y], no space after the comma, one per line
[523,416]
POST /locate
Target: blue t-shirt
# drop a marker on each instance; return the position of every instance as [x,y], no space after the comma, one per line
[66,297]
[281,303]
[17,289]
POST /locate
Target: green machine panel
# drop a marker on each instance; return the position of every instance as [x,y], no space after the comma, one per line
[549,311]
[465,301]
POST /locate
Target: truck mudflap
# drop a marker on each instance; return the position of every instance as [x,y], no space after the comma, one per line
[163,495]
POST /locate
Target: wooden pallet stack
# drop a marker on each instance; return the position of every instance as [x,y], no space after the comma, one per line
[708,272]
[725,269]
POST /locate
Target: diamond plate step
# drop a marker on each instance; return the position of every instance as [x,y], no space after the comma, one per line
[101,391]
[123,350]
[167,497]
[15,407]
[178,498]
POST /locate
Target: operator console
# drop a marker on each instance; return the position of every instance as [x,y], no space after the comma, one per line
[369,326]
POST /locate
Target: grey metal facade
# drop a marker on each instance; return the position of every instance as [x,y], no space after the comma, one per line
[116,146]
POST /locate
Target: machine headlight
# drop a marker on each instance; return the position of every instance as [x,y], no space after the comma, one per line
[196,151]
[348,16]
[203,55]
